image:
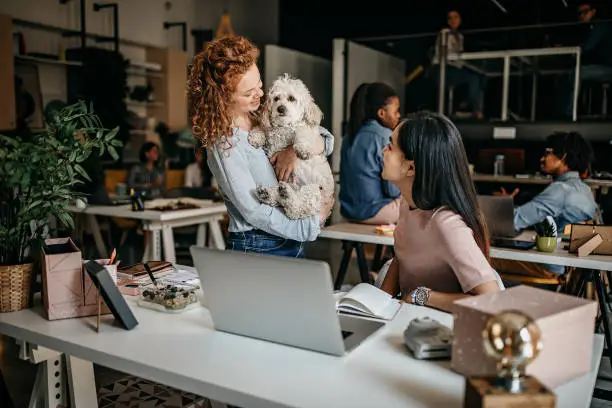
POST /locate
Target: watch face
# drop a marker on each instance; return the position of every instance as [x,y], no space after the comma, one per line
[420,296]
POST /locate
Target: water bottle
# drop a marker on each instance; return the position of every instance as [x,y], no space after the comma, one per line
[498,165]
[137,204]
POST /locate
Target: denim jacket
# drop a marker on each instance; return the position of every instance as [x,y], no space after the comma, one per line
[239,170]
[363,192]
[567,199]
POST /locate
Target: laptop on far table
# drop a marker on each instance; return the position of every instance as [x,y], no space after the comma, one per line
[283,300]
[499,215]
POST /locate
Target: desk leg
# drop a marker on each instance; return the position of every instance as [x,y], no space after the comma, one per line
[95,230]
[217,235]
[50,383]
[362,262]
[81,382]
[201,235]
[347,248]
[153,248]
[601,297]
[169,250]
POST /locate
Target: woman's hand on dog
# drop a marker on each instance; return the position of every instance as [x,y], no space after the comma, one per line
[285,162]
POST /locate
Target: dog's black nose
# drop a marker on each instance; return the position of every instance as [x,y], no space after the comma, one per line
[281,109]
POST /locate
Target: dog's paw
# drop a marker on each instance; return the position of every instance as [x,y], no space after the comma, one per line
[302,151]
[266,195]
[285,190]
[257,138]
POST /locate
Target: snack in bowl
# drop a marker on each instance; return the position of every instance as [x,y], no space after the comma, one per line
[387,230]
[168,297]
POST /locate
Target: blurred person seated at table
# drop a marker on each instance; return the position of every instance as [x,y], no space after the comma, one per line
[148,177]
[457,73]
[198,174]
[596,53]
[364,196]
[567,199]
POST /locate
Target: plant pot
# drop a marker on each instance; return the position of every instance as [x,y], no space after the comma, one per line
[546,244]
[15,286]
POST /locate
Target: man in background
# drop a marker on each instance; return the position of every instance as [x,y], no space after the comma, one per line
[596,53]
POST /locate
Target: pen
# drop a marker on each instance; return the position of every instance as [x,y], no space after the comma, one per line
[146,266]
[113,256]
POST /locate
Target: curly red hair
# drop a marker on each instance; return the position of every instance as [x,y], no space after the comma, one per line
[213,77]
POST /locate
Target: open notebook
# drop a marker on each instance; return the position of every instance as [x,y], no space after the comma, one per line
[367,300]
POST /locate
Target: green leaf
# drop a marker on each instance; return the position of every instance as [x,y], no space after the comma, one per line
[116,142]
[111,135]
[113,153]
[81,171]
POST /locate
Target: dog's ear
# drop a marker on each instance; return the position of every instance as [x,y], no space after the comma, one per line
[312,113]
[264,117]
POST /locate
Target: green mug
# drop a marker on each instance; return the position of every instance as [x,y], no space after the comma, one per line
[546,244]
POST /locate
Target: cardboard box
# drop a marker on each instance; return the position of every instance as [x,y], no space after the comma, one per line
[566,323]
[68,290]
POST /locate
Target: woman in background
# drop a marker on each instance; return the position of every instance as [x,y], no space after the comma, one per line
[198,175]
[441,240]
[148,177]
[364,196]
[457,72]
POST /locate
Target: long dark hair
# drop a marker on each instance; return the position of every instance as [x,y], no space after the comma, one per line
[442,176]
[366,102]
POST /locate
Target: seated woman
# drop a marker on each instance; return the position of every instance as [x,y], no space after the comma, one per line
[148,177]
[441,240]
[198,174]
[364,196]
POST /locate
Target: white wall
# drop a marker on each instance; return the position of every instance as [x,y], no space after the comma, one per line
[314,71]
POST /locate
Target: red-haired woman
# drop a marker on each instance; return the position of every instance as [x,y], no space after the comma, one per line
[226,90]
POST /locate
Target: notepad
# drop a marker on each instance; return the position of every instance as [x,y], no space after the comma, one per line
[369,301]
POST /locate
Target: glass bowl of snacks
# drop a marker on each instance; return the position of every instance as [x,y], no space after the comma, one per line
[168,297]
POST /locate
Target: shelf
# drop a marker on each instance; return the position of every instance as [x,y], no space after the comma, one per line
[39,26]
[144,104]
[37,60]
[148,74]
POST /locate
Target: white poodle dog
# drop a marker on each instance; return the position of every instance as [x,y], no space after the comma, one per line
[291,118]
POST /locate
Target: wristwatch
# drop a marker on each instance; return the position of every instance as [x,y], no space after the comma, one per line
[420,296]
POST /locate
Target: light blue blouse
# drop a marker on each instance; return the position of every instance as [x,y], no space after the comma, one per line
[239,170]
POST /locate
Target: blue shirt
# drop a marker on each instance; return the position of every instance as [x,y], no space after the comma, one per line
[239,170]
[567,199]
[363,192]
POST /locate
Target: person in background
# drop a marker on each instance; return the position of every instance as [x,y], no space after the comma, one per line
[225,97]
[457,73]
[198,175]
[148,177]
[441,239]
[596,53]
[364,196]
[567,199]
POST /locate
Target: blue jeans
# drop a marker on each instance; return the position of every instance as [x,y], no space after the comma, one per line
[261,242]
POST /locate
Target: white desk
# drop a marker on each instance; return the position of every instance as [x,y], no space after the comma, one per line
[183,351]
[209,214]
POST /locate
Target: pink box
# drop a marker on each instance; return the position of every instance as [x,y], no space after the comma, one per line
[68,290]
[566,322]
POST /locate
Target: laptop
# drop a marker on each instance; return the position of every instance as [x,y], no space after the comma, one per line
[499,215]
[283,300]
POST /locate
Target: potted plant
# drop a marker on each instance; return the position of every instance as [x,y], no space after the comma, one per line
[37,177]
[546,240]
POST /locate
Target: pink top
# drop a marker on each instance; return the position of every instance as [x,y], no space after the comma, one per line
[436,249]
